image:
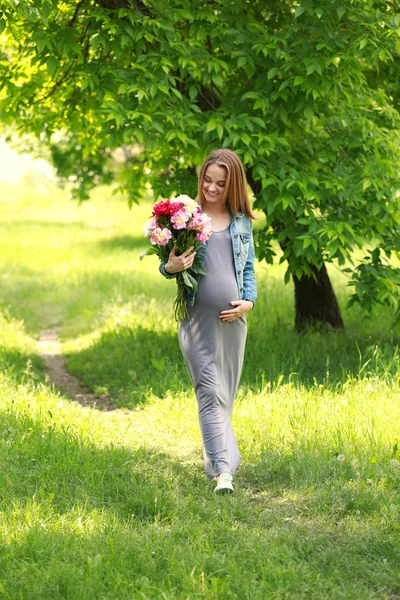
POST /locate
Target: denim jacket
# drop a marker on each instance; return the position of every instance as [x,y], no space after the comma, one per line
[243,254]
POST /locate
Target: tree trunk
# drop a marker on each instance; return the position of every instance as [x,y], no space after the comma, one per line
[315,302]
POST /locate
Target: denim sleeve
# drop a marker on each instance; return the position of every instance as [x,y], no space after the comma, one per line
[164,272]
[249,278]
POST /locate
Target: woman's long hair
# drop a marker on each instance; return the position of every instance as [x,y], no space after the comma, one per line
[235,194]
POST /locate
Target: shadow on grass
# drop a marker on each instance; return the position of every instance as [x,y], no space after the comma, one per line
[277,354]
[86,522]
[127,363]
[18,365]
[131,364]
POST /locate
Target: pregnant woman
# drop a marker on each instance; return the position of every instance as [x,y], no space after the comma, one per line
[213,339]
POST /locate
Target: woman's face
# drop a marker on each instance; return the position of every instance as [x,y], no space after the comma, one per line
[214,184]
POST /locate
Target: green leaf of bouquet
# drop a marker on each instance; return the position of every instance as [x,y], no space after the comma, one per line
[192,280]
[197,269]
[187,279]
[148,252]
[190,243]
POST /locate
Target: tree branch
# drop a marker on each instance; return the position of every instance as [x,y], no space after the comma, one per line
[75,15]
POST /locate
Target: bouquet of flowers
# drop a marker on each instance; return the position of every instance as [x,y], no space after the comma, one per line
[178,222]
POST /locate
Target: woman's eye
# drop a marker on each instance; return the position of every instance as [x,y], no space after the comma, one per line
[218,184]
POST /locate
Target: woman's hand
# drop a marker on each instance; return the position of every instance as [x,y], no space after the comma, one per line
[242,307]
[177,264]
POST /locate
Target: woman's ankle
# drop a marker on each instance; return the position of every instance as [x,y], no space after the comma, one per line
[221,475]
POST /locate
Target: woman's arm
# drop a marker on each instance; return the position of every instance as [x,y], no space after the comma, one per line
[241,307]
[249,278]
[164,272]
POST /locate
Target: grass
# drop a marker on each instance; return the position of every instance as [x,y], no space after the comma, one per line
[115,505]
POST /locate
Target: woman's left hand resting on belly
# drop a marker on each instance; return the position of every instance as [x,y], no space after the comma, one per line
[241,308]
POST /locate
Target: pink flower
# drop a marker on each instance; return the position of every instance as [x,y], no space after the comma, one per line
[175,207]
[204,235]
[179,219]
[160,236]
[149,226]
[162,208]
[199,222]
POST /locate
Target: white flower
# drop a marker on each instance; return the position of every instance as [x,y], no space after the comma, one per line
[184,198]
[394,462]
[149,226]
[190,204]
[341,457]
[146,229]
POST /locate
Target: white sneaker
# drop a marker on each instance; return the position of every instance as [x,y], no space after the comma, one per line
[224,484]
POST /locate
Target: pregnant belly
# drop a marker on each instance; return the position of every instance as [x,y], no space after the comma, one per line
[217,292]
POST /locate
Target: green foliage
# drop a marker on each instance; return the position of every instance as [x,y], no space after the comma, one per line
[303,92]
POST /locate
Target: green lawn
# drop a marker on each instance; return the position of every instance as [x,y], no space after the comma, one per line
[115,505]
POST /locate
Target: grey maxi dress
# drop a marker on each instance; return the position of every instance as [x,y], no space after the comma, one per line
[213,351]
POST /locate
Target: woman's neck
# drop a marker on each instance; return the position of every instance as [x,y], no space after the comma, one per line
[215,211]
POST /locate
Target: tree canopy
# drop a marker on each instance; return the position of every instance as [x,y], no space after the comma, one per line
[303,91]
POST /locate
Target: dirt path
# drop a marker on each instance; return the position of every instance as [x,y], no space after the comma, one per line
[49,348]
